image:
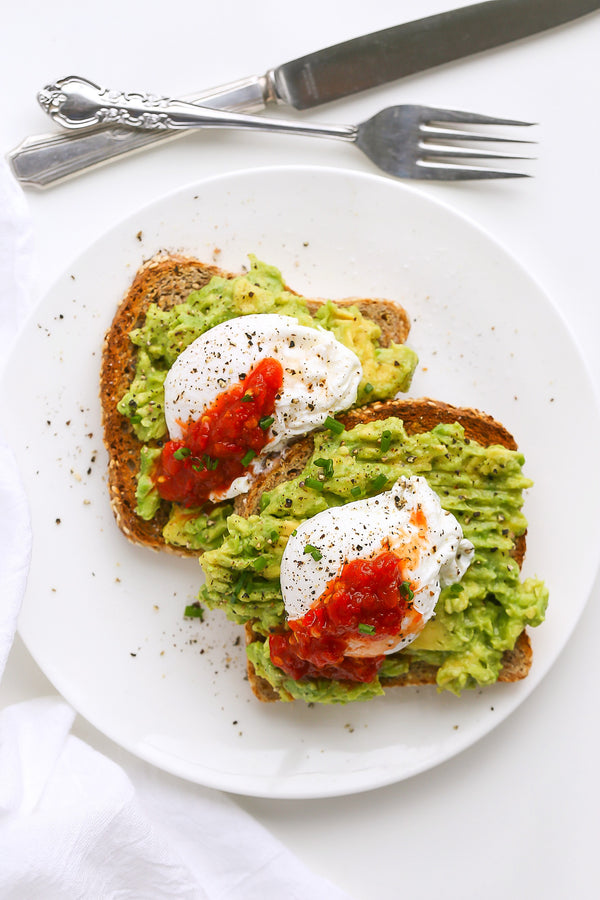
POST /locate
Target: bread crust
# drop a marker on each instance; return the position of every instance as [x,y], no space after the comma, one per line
[418,416]
[167,279]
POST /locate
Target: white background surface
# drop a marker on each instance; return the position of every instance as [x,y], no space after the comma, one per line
[518,813]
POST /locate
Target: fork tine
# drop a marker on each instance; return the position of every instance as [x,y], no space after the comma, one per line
[449,150]
[437,171]
[428,131]
[431,114]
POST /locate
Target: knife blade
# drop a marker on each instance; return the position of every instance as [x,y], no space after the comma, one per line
[321,77]
[402,50]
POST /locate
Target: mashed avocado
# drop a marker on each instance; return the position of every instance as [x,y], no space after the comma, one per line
[166,333]
[475,621]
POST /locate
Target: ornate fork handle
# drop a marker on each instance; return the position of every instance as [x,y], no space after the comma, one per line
[76,103]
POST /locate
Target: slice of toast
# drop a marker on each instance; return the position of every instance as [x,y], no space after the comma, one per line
[167,279]
[418,416]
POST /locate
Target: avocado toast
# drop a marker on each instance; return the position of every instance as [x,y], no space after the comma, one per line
[477,635]
[173,299]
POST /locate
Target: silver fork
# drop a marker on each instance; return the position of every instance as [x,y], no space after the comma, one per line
[405,141]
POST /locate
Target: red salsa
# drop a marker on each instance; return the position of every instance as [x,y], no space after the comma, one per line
[368,603]
[218,447]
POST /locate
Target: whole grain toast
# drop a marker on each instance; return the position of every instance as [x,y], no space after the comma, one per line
[167,279]
[418,416]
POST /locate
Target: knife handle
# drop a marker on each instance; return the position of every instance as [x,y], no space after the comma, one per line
[45,160]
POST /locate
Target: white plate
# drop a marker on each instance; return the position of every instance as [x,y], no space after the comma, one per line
[104,620]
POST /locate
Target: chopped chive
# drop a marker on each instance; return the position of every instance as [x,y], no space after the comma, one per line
[386,440]
[182,453]
[135,420]
[379,482]
[294,532]
[210,463]
[259,563]
[356,491]
[248,457]
[368,387]
[241,583]
[274,536]
[366,629]
[314,552]
[313,483]
[198,466]
[194,611]
[247,398]
[406,591]
[266,422]
[333,425]
[326,465]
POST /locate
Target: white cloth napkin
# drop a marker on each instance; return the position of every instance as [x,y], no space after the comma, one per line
[74,823]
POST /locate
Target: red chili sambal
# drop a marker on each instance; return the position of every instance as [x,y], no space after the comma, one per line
[219,446]
[343,636]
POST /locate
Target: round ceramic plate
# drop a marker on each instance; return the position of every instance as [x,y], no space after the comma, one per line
[104,619]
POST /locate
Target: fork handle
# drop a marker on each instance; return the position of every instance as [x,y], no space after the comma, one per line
[76,103]
[43,160]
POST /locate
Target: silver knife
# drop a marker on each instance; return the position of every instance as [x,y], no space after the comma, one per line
[329,74]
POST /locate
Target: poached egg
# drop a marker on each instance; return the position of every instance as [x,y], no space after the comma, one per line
[409,521]
[320,377]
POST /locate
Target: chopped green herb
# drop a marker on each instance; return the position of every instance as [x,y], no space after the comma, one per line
[274,536]
[194,611]
[313,483]
[266,422]
[333,425]
[248,457]
[182,453]
[356,491]
[135,420]
[259,563]
[406,591]
[386,440]
[247,398]
[366,629]
[326,465]
[242,583]
[314,552]
[368,387]
[378,483]
[211,464]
